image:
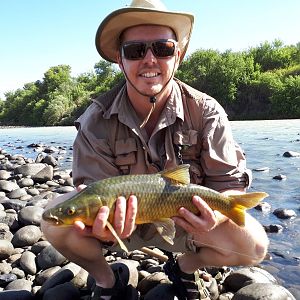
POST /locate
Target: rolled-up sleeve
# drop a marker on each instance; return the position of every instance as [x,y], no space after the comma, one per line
[222,159]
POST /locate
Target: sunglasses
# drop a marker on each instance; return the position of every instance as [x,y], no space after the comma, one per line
[135,50]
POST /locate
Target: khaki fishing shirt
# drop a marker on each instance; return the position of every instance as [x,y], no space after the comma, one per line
[193,128]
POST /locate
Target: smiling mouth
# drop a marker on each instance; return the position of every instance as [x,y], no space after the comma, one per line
[150,75]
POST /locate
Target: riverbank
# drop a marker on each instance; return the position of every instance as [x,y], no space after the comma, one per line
[32,269]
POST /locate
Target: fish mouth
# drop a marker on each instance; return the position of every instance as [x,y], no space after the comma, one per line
[54,220]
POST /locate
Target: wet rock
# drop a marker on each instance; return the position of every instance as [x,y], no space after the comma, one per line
[263,206]
[31,215]
[273,228]
[263,291]
[280,177]
[245,276]
[26,236]
[39,246]
[283,213]
[291,154]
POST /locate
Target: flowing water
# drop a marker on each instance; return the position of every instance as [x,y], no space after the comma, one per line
[264,143]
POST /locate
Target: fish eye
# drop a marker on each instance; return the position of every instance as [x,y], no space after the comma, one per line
[71,211]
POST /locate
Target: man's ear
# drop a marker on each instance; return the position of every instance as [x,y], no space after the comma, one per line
[119,61]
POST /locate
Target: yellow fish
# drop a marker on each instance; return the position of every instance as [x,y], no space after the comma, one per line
[159,198]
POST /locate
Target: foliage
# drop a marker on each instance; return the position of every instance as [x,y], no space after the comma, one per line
[261,83]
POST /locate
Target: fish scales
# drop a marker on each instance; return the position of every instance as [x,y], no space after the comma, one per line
[159,197]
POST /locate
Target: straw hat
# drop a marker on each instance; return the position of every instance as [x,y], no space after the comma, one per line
[141,12]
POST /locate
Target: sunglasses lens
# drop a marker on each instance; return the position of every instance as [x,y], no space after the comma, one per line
[163,49]
[137,50]
[134,51]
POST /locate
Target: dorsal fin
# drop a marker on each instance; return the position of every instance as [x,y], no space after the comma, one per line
[180,174]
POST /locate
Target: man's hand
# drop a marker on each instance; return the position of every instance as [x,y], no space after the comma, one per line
[123,223]
[205,221]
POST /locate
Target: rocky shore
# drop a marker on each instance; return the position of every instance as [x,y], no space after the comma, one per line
[31,268]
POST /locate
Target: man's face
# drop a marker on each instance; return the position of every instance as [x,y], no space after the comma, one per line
[149,74]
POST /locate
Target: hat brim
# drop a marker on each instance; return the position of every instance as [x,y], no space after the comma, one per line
[108,33]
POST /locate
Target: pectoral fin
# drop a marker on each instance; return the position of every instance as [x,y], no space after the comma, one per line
[112,230]
[166,228]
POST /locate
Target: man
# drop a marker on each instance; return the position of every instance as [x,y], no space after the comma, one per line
[149,123]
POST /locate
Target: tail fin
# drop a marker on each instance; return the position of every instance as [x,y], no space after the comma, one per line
[242,202]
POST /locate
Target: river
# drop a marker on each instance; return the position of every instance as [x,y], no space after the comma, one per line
[264,143]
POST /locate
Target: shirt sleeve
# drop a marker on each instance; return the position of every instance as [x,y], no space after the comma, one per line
[92,156]
[222,159]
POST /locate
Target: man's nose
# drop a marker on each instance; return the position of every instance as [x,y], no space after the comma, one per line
[150,56]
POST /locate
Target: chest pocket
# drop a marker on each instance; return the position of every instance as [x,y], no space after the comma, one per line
[188,150]
[125,154]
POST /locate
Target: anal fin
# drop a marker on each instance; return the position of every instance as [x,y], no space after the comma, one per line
[166,228]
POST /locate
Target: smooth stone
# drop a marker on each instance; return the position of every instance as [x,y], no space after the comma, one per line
[245,276]
[263,291]
[11,219]
[18,272]
[31,215]
[46,274]
[19,284]
[25,182]
[283,213]
[4,175]
[50,257]
[8,186]
[27,262]
[6,249]
[6,235]
[26,236]
[50,149]
[33,192]
[39,246]
[16,295]
[17,193]
[65,291]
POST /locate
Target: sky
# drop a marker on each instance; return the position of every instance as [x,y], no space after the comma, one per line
[38,34]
